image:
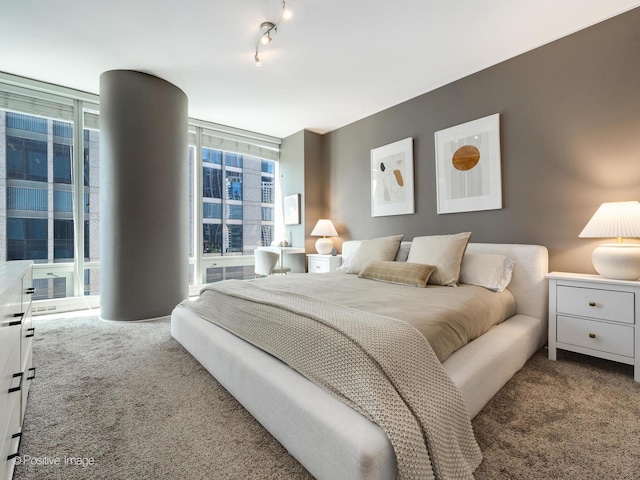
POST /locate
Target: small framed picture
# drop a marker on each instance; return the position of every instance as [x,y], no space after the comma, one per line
[292,209]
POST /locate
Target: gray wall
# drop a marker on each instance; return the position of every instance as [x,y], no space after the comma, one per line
[570,140]
[143,196]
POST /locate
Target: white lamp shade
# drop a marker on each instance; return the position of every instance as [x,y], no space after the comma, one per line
[617,260]
[324,228]
[614,220]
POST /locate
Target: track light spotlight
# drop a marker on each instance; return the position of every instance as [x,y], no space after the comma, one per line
[267,28]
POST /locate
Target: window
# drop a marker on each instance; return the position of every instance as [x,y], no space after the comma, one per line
[47,183]
[212,236]
[63,240]
[26,157]
[26,239]
[41,195]
[227,207]
[61,163]
[38,229]
[233,184]
[212,182]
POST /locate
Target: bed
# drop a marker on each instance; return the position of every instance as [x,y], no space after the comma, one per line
[331,439]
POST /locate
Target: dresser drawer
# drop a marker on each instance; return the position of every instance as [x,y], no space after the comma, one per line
[319,265]
[595,303]
[604,337]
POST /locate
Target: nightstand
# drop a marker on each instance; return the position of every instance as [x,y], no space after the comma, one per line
[323,263]
[595,316]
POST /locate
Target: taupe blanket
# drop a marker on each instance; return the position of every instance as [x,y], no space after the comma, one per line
[380,366]
[448,317]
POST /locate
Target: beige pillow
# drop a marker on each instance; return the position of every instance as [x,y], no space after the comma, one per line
[443,251]
[383,248]
[404,273]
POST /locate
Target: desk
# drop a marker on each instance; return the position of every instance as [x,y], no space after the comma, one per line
[284,251]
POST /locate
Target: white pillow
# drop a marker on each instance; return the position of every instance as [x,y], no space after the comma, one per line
[383,248]
[346,262]
[489,271]
[403,252]
[349,249]
[443,251]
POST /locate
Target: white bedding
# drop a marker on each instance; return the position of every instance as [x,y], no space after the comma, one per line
[328,438]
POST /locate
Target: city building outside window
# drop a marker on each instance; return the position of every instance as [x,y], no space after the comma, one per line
[45,185]
[238,203]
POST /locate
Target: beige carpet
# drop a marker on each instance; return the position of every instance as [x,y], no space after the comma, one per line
[129,402]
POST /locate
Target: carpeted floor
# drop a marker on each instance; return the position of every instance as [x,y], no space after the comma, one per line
[126,401]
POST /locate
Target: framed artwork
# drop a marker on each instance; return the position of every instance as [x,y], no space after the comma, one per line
[292,209]
[392,179]
[468,166]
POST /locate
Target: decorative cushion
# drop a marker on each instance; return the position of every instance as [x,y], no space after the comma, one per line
[443,251]
[403,252]
[383,248]
[486,270]
[404,273]
[349,249]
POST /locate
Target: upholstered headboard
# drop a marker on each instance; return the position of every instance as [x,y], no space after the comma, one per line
[528,285]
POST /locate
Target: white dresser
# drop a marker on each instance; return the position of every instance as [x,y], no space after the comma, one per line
[16,363]
[595,316]
[323,263]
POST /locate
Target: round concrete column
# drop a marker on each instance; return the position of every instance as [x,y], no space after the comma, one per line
[144,221]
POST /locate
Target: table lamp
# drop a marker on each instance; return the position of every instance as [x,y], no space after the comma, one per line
[616,260]
[324,228]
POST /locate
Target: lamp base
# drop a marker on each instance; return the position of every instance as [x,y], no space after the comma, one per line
[620,261]
[324,246]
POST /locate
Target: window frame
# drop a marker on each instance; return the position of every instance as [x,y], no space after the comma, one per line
[82,110]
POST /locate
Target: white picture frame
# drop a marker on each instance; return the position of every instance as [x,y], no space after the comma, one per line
[292,209]
[468,166]
[392,179]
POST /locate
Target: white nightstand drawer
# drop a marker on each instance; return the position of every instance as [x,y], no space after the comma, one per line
[611,305]
[604,337]
[319,265]
[323,263]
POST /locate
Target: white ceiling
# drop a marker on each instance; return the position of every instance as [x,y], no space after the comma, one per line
[334,62]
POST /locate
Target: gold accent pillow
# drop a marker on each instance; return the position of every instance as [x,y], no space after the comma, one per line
[403,273]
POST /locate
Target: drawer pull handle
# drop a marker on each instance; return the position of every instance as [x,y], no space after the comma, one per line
[31,290]
[592,304]
[32,369]
[592,335]
[14,455]
[17,322]
[32,332]
[19,387]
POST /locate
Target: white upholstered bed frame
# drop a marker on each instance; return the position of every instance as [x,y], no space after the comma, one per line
[330,439]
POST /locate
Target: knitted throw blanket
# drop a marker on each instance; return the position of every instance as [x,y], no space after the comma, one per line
[379,366]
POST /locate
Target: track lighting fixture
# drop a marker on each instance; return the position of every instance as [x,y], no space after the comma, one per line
[267,29]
